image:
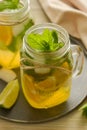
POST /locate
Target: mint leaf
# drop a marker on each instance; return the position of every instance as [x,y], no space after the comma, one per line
[47,36]
[9,4]
[6,5]
[47,41]
[84,109]
[14,1]
[45,45]
[57,46]
[55,36]
[34,40]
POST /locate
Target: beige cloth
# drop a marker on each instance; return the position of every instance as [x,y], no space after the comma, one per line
[71,14]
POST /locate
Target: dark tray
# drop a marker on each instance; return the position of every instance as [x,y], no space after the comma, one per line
[23,112]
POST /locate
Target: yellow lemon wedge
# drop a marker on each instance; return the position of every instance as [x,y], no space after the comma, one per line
[43,94]
[9,60]
[47,85]
[9,95]
[56,98]
[5,57]
[15,61]
[5,34]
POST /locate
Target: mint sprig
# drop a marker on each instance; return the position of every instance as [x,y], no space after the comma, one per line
[9,4]
[84,109]
[47,41]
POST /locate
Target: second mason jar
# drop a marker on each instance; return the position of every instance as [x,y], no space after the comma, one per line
[46,76]
[14,21]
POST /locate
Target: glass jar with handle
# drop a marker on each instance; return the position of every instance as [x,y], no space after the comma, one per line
[47,68]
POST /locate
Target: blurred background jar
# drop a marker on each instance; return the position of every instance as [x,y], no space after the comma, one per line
[15,19]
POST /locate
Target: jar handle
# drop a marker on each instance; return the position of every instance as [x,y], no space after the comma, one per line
[78,58]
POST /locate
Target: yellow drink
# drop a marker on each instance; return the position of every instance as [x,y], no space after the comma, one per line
[47,89]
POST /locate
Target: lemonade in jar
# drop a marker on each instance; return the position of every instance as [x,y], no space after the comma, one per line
[15,19]
[47,65]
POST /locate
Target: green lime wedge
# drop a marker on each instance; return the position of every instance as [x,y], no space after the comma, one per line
[9,94]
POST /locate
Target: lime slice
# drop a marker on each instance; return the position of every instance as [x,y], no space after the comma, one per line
[9,95]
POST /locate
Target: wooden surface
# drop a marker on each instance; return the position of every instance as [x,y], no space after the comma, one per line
[72,121]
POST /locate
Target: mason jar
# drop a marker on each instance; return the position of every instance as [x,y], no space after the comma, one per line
[13,24]
[46,76]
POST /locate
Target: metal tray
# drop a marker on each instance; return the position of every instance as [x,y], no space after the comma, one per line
[23,112]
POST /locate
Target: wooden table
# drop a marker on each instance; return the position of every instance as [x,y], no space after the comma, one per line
[72,121]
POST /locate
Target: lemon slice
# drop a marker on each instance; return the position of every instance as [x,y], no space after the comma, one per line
[6,57]
[6,34]
[9,59]
[56,98]
[15,62]
[9,95]
[47,85]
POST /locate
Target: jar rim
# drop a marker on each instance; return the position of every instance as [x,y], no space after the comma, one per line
[57,53]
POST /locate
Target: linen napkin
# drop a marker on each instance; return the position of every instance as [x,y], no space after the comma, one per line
[70,14]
